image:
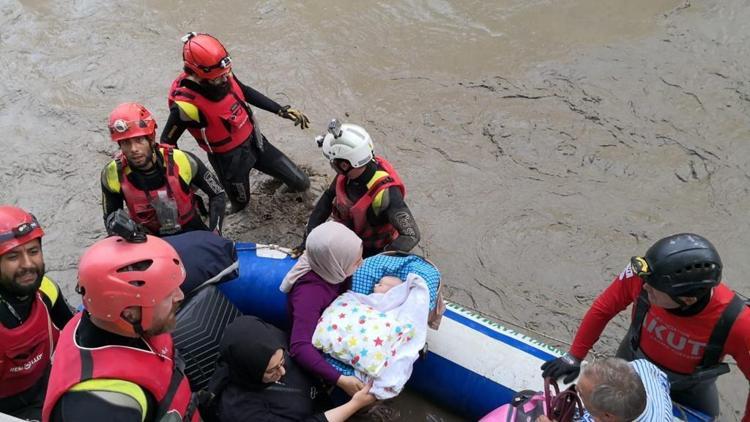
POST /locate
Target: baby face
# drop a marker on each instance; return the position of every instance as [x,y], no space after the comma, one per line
[386,283]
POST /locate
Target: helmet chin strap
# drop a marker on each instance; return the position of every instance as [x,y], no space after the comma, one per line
[699,295]
[341,171]
[138,328]
[680,302]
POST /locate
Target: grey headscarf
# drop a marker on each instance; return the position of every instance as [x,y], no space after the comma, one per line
[331,249]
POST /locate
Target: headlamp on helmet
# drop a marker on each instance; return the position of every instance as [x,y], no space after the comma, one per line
[17,227]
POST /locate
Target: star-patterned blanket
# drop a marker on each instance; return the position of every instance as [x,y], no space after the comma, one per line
[380,335]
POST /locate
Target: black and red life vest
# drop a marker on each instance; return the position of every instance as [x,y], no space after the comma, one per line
[154,370]
[139,202]
[353,214]
[228,123]
[25,351]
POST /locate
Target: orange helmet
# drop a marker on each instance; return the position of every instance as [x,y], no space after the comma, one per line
[130,120]
[17,227]
[114,274]
[205,56]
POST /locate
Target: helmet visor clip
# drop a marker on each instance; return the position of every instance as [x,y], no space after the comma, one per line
[185,38]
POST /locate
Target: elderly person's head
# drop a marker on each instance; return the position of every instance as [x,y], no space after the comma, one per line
[611,391]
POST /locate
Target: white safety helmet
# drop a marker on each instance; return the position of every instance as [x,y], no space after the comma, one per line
[347,142]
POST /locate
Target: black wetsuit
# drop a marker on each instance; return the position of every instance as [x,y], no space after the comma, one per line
[28,403]
[233,167]
[393,210]
[155,178]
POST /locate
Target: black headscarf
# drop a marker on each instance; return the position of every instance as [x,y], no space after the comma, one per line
[246,348]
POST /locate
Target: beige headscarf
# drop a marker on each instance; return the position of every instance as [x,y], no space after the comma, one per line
[330,250]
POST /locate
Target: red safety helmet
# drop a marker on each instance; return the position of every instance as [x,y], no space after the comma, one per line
[130,120]
[114,274]
[17,227]
[205,56]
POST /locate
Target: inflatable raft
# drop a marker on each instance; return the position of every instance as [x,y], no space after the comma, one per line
[473,364]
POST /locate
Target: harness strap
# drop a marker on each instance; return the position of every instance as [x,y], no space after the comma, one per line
[174,383]
[214,144]
[720,332]
[87,364]
[180,93]
[169,158]
[641,309]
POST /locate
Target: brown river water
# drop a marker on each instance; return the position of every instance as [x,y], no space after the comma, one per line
[542,142]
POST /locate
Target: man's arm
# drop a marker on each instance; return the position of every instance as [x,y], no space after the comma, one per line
[59,309]
[400,217]
[621,293]
[206,181]
[257,99]
[322,209]
[182,115]
[112,199]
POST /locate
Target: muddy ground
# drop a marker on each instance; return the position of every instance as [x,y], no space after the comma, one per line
[542,142]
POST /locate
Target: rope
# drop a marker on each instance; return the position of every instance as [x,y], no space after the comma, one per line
[286,250]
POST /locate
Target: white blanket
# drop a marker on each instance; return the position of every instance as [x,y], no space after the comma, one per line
[380,335]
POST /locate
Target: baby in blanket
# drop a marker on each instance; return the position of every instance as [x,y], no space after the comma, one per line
[379,334]
[386,283]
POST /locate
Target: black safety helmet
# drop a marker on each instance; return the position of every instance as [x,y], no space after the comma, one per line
[683,264]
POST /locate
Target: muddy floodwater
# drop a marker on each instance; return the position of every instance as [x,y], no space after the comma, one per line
[542,142]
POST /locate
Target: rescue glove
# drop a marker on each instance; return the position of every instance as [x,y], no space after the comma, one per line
[566,364]
[299,118]
[298,251]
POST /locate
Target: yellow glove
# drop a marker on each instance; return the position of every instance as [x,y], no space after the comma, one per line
[297,116]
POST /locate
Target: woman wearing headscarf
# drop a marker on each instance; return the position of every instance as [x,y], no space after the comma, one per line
[332,254]
[255,382]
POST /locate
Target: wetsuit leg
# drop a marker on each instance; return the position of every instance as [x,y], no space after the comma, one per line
[703,397]
[233,169]
[276,164]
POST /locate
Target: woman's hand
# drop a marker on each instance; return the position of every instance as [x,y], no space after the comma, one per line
[351,385]
[363,397]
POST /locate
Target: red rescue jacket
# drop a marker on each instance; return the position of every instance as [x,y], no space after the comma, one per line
[228,123]
[25,350]
[674,343]
[353,214]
